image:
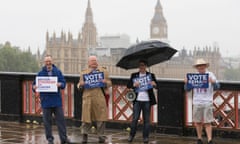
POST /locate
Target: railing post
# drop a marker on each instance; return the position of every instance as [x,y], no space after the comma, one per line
[236,102]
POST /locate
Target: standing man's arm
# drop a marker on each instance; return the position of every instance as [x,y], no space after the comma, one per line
[213,80]
[34,87]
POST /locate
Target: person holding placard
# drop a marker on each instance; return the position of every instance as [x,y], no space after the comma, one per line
[203,83]
[49,82]
[93,82]
[142,82]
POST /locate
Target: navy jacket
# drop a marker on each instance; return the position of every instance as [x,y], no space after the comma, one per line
[51,99]
[150,91]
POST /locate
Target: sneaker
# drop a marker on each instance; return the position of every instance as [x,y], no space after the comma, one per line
[199,141]
[210,142]
[66,142]
[50,141]
[145,140]
[130,138]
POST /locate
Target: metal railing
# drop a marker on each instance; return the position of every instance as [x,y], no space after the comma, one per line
[120,109]
[226,109]
[172,114]
[32,102]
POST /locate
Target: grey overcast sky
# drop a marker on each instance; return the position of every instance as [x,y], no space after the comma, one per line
[190,22]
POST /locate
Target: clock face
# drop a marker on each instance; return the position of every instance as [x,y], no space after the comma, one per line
[155,30]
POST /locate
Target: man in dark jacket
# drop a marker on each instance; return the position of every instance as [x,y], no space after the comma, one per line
[142,83]
[51,102]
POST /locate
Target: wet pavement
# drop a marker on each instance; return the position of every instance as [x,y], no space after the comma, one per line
[28,133]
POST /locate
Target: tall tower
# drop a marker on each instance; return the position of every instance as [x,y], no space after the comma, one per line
[70,54]
[158,28]
[89,32]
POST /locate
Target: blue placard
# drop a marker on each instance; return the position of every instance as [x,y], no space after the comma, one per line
[93,80]
[195,80]
[145,83]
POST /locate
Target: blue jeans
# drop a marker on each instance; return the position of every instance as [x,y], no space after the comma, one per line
[145,107]
[60,122]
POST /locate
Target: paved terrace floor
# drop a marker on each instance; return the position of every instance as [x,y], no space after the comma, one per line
[28,133]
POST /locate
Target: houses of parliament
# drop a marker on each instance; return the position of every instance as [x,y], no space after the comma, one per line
[71,55]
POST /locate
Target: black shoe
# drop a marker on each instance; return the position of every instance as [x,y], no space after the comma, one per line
[66,142]
[130,138]
[199,141]
[210,142]
[145,140]
[84,138]
[101,139]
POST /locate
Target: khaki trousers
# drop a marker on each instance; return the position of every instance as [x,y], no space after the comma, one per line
[86,128]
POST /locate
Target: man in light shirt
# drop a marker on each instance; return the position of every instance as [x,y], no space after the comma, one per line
[142,82]
[203,102]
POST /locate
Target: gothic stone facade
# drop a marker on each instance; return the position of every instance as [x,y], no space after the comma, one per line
[70,55]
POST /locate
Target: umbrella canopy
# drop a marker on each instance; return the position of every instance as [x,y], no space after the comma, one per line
[153,52]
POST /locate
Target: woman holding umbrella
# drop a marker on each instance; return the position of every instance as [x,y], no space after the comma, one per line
[142,82]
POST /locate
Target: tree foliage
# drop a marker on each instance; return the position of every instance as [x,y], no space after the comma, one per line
[12,59]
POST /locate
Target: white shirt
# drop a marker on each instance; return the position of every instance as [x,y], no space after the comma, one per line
[204,95]
[143,95]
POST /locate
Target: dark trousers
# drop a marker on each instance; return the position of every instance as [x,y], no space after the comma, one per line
[145,107]
[60,122]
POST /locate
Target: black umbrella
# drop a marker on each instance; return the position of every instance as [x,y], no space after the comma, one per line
[153,52]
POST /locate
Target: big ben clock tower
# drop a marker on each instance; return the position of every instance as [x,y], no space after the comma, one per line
[158,28]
